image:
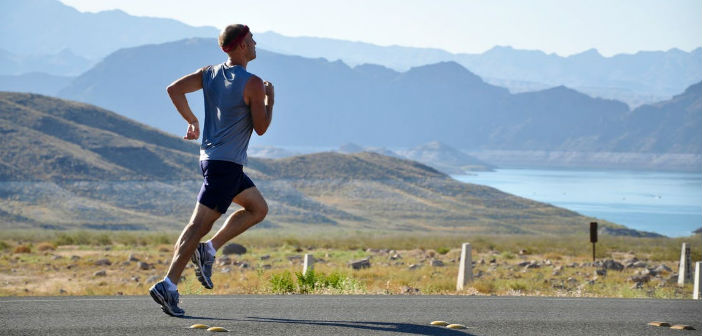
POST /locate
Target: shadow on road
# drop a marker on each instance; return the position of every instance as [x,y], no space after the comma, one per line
[368,325]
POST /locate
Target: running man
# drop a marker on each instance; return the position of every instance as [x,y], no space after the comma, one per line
[236,103]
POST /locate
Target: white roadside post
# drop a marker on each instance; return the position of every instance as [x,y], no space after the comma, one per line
[309,263]
[465,267]
[698,284]
[684,271]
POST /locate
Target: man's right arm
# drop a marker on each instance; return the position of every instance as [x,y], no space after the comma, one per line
[177,90]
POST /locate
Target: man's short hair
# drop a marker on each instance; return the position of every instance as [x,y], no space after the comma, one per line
[229,33]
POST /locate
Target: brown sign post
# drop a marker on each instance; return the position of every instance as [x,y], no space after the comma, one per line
[593,238]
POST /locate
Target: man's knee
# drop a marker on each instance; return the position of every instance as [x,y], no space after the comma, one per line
[259,210]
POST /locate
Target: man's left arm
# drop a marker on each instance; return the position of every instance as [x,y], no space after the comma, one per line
[260,97]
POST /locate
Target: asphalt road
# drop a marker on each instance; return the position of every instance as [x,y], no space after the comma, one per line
[347,315]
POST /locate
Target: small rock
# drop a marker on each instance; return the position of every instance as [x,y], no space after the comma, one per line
[144,266]
[482,261]
[265,257]
[226,270]
[613,265]
[409,290]
[637,285]
[523,252]
[126,263]
[295,257]
[133,258]
[244,265]
[524,263]
[103,262]
[61,291]
[100,273]
[56,257]
[135,278]
[395,256]
[414,266]
[601,272]
[359,264]
[225,260]
[266,266]
[639,264]
[437,263]
[662,268]
[533,264]
[640,278]
[233,248]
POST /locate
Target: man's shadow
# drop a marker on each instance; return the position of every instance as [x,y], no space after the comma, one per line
[407,328]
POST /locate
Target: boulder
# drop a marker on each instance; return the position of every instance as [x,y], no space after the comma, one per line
[437,263]
[103,262]
[613,265]
[359,264]
[233,248]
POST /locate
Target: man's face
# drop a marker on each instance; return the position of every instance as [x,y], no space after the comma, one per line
[250,46]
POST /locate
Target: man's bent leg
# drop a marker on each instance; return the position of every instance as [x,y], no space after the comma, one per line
[200,224]
[254,211]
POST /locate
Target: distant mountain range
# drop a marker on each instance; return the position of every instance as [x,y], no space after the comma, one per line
[72,165]
[40,27]
[48,36]
[644,77]
[323,103]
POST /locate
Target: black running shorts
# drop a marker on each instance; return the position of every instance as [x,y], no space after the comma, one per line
[223,180]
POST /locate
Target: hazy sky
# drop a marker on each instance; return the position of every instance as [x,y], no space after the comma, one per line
[561,26]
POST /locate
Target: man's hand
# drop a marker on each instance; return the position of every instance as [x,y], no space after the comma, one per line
[270,93]
[193,131]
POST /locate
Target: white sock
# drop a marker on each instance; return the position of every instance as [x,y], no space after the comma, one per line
[210,248]
[169,284]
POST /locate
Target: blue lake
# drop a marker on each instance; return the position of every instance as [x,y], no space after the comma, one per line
[661,202]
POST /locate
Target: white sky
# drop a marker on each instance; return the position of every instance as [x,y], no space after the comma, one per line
[561,26]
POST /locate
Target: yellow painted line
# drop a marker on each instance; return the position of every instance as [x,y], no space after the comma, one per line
[439,323]
[659,324]
[217,329]
[199,326]
[682,327]
[456,326]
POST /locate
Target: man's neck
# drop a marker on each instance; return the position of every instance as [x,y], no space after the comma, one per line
[237,61]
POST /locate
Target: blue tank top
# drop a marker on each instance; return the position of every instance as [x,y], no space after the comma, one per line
[228,123]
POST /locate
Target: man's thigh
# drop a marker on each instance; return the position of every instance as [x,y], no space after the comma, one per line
[250,198]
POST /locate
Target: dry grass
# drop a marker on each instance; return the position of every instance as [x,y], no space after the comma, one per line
[23,270]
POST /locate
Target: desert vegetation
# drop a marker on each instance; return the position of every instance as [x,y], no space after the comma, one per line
[128,262]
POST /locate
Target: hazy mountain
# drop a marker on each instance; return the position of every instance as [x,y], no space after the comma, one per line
[63,63]
[48,36]
[71,165]
[33,27]
[445,158]
[638,78]
[321,103]
[34,82]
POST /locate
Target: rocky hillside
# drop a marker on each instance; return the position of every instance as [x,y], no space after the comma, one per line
[71,165]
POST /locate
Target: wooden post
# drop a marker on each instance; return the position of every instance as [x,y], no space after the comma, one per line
[308,264]
[698,285]
[465,267]
[684,271]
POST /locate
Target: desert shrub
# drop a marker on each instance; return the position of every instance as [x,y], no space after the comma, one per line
[46,246]
[4,245]
[484,286]
[443,250]
[23,249]
[307,282]
[282,283]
